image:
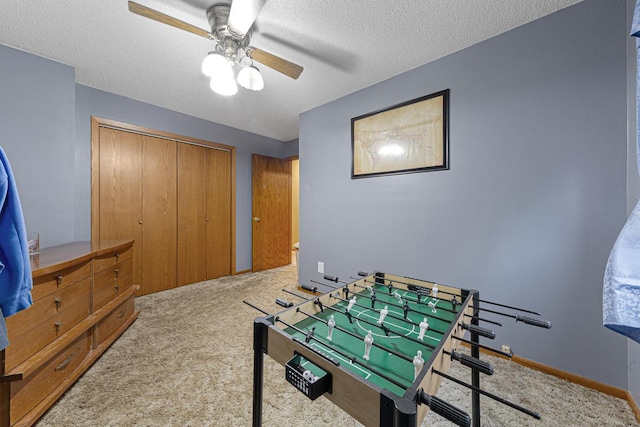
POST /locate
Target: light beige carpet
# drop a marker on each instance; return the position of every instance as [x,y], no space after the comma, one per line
[188,361]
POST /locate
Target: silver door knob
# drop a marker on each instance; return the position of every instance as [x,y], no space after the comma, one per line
[256,219]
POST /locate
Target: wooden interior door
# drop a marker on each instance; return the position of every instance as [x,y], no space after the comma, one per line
[192,214]
[120,191]
[271,212]
[218,213]
[159,194]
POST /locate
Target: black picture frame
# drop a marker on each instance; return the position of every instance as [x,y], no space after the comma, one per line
[409,137]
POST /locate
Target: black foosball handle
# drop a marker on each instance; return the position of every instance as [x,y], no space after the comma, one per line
[484,332]
[331,278]
[472,362]
[309,288]
[535,322]
[446,410]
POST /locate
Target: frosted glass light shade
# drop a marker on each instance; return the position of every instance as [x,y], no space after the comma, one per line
[250,78]
[225,86]
[216,66]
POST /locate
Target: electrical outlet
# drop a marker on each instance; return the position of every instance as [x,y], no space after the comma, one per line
[506,349]
[320,267]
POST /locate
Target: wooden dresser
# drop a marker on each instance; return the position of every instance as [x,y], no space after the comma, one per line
[83,299]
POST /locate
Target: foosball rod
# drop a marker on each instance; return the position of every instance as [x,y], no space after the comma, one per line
[412,300]
[524,319]
[524,310]
[256,308]
[397,306]
[296,295]
[388,315]
[386,329]
[474,344]
[442,308]
[439,308]
[470,327]
[488,394]
[388,350]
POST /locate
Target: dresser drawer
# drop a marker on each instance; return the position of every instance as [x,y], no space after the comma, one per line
[50,283]
[118,317]
[34,340]
[110,260]
[111,282]
[29,392]
[48,307]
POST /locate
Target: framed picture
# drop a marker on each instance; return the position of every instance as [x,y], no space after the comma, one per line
[405,138]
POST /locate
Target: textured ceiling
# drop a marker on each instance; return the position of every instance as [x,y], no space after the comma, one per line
[343,45]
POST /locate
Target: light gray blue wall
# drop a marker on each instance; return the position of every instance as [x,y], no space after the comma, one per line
[45,130]
[37,104]
[535,196]
[291,148]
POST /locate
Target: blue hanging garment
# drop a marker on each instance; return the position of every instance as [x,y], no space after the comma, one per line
[15,267]
[621,288]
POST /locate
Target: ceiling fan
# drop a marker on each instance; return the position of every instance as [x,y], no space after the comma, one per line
[231,30]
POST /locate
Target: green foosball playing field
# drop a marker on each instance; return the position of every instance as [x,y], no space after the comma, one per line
[395,342]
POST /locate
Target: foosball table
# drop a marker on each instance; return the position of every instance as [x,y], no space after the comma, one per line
[385,338]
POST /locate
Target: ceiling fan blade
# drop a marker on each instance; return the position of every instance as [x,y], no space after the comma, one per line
[242,15]
[141,10]
[272,61]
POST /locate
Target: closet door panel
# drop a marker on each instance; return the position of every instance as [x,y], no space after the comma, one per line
[159,211]
[120,184]
[219,214]
[192,210]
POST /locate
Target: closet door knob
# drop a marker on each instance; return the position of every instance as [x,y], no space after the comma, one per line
[256,219]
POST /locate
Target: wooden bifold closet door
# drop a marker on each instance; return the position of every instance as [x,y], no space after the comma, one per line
[173,198]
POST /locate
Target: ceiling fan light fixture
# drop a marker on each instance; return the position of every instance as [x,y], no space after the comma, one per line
[250,78]
[225,86]
[215,65]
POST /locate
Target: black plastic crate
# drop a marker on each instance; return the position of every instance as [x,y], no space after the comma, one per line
[308,378]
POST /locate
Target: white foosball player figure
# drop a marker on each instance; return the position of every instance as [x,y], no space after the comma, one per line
[368,341]
[434,290]
[352,302]
[330,324]
[398,296]
[418,363]
[424,326]
[383,314]
[432,304]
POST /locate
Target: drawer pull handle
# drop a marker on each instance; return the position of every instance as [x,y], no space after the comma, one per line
[59,279]
[65,362]
[121,314]
[116,288]
[58,326]
[58,302]
[117,272]
[117,256]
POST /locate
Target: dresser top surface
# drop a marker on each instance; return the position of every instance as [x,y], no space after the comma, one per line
[65,255]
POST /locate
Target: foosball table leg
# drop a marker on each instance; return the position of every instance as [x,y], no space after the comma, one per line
[259,347]
[475,373]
